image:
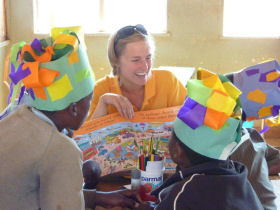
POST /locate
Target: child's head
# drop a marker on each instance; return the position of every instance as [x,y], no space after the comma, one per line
[54,75]
[260,85]
[183,155]
[208,124]
[91,173]
[260,89]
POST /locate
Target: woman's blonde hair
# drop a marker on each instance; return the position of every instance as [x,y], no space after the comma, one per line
[116,49]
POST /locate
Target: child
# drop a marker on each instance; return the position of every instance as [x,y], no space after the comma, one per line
[41,168]
[205,132]
[260,158]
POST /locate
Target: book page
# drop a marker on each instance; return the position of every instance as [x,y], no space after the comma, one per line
[113,141]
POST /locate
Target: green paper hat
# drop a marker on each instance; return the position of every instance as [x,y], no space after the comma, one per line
[54,73]
[209,121]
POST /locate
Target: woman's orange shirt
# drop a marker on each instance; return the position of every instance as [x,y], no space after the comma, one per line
[162,90]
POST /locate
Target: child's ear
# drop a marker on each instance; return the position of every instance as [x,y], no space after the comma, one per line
[177,153]
[73,109]
[180,153]
[181,157]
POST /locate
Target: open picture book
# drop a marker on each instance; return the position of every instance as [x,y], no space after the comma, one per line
[115,142]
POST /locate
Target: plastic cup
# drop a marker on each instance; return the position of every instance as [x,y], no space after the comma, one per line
[152,178]
[135,179]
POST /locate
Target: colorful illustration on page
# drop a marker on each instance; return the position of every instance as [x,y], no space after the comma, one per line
[115,147]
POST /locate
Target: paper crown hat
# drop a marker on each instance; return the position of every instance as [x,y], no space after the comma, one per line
[208,121]
[53,72]
[260,86]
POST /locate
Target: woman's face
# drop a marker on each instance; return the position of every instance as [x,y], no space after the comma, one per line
[135,63]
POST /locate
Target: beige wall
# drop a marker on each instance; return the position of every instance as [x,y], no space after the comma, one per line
[194,38]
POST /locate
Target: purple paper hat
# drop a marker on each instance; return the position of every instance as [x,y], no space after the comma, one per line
[260,86]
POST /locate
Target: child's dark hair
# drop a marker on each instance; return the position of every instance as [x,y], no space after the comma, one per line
[194,157]
[48,113]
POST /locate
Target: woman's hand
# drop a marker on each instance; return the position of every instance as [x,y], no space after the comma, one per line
[123,105]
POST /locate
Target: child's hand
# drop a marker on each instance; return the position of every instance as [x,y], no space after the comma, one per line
[146,196]
[145,206]
[123,198]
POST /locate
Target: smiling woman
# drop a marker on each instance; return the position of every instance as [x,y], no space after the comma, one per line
[133,85]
